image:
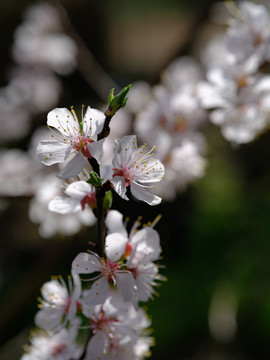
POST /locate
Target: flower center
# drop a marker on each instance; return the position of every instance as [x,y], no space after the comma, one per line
[109,269]
[80,144]
[101,322]
[124,173]
[180,124]
[242,81]
[58,349]
[90,200]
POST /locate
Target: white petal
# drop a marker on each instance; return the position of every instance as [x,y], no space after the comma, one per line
[128,145]
[62,120]
[142,193]
[98,292]
[96,149]
[125,283]
[64,205]
[155,171]
[106,172]
[114,222]
[85,263]
[79,189]
[115,246]
[49,318]
[147,244]
[119,186]
[52,151]
[53,291]
[98,346]
[73,167]
[94,120]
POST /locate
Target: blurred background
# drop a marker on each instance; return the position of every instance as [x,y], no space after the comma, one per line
[215,234]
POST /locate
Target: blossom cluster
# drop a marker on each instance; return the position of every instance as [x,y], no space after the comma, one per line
[236,89]
[227,85]
[98,314]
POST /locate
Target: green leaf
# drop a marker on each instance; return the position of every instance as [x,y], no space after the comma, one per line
[94,179]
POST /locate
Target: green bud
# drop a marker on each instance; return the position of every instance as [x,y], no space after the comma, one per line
[108,200]
[117,102]
[94,179]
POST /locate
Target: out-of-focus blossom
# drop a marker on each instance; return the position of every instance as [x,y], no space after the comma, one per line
[184,165]
[59,346]
[182,74]
[172,120]
[78,195]
[139,95]
[239,100]
[248,38]
[17,173]
[39,41]
[46,188]
[40,89]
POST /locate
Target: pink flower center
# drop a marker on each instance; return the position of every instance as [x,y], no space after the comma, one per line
[124,173]
[109,270]
[90,200]
[58,349]
[80,144]
[101,322]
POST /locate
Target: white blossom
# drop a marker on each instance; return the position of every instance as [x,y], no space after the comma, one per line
[50,346]
[248,38]
[136,168]
[117,328]
[239,100]
[142,248]
[40,42]
[58,304]
[72,137]
[109,270]
[46,188]
[78,195]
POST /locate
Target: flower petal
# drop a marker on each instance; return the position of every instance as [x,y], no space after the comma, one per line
[93,122]
[52,151]
[98,346]
[114,222]
[147,243]
[125,283]
[98,292]
[85,263]
[96,149]
[73,167]
[142,193]
[64,205]
[115,246]
[119,186]
[53,291]
[79,189]
[62,120]
[49,318]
